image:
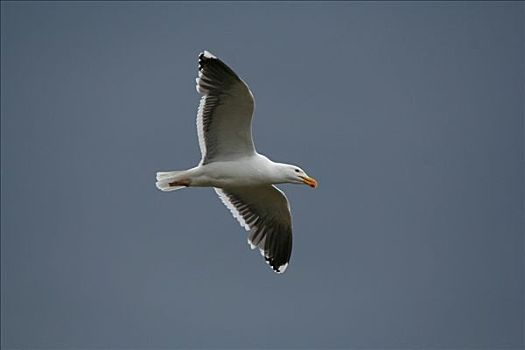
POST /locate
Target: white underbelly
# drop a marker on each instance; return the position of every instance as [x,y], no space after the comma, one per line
[229,174]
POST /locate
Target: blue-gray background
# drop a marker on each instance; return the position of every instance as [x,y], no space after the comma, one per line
[410,115]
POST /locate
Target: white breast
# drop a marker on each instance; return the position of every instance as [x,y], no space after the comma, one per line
[249,171]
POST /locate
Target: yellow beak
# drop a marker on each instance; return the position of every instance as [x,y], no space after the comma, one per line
[310,181]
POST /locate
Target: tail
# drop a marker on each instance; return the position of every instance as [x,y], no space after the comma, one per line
[171,180]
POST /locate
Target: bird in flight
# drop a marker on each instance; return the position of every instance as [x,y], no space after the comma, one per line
[243,178]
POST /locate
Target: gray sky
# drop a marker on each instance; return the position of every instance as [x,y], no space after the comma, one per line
[410,115]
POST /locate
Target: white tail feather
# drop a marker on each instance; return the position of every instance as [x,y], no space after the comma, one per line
[165,174]
[164,178]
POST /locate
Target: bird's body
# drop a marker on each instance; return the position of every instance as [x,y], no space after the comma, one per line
[242,178]
[248,171]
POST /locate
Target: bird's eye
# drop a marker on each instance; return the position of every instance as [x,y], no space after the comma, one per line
[296,170]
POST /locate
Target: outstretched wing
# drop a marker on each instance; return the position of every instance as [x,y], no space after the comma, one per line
[224,117]
[265,212]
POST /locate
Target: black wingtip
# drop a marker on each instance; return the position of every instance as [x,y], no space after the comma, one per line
[278,268]
[205,56]
[207,59]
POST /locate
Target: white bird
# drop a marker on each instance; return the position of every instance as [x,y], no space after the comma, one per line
[243,178]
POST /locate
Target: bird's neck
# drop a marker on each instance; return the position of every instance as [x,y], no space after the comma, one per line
[279,171]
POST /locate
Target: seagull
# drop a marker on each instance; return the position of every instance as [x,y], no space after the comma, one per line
[242,178]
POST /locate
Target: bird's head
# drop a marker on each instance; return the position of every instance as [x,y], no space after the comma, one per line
[294,174]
